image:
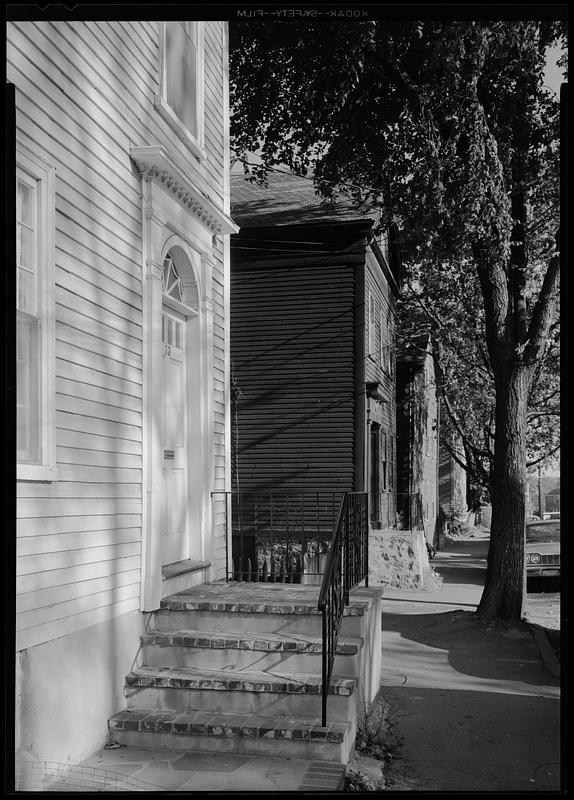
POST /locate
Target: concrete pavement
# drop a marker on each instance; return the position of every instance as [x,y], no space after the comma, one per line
[471,709]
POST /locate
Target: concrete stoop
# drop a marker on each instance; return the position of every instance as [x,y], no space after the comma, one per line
[236,668]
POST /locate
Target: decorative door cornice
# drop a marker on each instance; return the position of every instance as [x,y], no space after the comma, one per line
[153,163]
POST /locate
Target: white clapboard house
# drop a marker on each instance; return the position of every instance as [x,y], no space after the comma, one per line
[122,228]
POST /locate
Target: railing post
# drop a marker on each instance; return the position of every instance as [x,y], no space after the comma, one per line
[228,535]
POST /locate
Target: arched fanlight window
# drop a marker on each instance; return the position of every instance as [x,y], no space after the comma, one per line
[172,284]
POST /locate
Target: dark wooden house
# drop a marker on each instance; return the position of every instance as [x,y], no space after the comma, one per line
[313,293]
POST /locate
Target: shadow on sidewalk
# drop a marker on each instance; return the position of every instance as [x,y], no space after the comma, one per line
[498,653]
[473,741]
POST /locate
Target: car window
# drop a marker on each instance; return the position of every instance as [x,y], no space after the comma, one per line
[543,533]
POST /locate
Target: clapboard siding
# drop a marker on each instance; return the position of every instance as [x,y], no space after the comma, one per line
[111,336]
[44,632]
[107,366]
[124,286]
[96,458]
[293,362]
[88,392]
[97,315]
[88,341]
[85,602]
[73,558]
[78,490]
[85,95]
[100,427]
[52,579]
[34,600]
[95,377]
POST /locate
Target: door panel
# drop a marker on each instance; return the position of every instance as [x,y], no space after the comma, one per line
[175,517]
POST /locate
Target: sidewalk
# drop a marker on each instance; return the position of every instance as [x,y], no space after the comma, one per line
[472,710]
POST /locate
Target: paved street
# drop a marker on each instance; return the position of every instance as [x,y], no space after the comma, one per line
[543,603]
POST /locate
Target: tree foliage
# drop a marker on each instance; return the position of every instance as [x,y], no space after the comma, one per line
[445,126]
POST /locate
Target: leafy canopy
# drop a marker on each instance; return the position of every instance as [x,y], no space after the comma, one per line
[447,127]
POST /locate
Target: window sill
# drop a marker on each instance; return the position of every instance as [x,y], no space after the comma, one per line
[35,472]
[166,113]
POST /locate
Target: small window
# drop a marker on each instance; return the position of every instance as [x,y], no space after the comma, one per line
[383,347]
[181,81]
[35,370]
[384,461]
[383,242]
[371,333]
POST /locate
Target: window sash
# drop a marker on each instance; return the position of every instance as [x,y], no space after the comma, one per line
[35,342]
[181,74]
[27,255]
[28,390]
[371,324]
[181,78]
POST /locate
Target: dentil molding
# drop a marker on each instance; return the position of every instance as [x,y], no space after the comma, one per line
[153,163]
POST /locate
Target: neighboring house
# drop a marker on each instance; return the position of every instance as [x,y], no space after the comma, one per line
[417,430]
[542,494]
[452,481]
[552,500]
[121,133]
[313,294]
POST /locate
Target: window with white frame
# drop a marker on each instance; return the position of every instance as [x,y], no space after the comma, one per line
[371,332]
[35,318]
[382,339]
[384,462]
[180,101]
[391,342]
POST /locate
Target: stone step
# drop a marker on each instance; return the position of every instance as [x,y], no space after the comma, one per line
[241,691]
[261,612]
[228,732]
[222,649]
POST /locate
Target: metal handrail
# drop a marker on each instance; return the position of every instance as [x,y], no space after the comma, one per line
[347,566]
[278,536]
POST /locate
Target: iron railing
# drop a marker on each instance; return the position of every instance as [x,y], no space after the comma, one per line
[312,537]
[279,537]
[347,566]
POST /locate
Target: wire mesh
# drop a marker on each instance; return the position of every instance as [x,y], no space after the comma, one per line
[53,776]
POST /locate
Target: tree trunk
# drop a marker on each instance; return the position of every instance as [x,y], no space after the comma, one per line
[504,588]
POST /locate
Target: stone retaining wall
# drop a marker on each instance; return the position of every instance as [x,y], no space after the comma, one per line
[398,558]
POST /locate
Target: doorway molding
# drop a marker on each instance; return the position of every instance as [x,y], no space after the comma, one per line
[175,216]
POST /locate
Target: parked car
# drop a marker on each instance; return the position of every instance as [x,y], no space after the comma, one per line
[543,548]
[551,515]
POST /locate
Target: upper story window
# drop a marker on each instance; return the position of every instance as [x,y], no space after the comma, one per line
[35,423]
[371,322]
[383,339]
[180,101]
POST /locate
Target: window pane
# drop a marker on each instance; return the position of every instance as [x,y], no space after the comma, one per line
[26,247]
[27,392]
[26,291]
[181,78]
[27,204]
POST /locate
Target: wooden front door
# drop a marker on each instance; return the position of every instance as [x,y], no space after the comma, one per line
[175,511]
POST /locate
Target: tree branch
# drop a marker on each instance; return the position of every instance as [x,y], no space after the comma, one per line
[542,458]
[494,288]
[543,312]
